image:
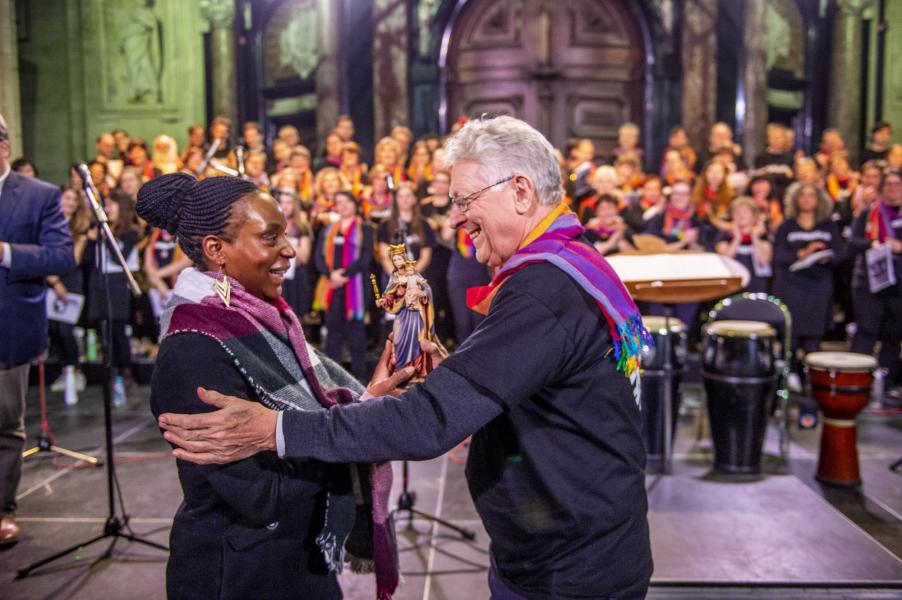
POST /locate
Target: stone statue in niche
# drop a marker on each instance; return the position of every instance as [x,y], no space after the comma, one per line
[426,10]
[298,41]
[137,54]
[785,37]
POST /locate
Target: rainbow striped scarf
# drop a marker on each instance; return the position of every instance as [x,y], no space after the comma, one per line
[556,240]
[880,222]
[350,252]
[465,244]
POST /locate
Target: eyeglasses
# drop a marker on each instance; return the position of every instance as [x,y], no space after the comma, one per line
[462,203]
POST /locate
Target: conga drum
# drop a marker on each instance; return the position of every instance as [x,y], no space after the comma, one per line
[740,376]
[841,384]
[653,383]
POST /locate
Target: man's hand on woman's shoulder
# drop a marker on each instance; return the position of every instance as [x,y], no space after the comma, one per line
[237,430]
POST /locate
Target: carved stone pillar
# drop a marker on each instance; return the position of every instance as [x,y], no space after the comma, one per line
[389,65]
[754,77]
[10,102]
[328,74]
[699,59]
[221,16]
[844,103]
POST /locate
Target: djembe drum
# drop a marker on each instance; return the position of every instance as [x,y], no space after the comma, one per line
[841,384]
[740,384]
[653,383]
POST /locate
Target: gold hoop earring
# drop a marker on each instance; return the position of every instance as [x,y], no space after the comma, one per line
[224,287]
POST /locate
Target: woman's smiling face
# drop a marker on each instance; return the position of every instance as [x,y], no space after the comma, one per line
[259,253]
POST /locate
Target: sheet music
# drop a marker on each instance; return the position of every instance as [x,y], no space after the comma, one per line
[66,311]
[810,260]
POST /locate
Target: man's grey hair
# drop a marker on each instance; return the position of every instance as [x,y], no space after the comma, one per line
[506,146]
[4,130]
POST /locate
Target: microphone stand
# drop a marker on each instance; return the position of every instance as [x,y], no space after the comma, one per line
[116,526]
[239,158]
[208,157]
[45,440]
[209,162]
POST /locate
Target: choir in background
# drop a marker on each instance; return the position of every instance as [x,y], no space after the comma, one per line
[769,212]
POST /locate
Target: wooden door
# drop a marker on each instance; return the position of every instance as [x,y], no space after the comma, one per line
[571,68]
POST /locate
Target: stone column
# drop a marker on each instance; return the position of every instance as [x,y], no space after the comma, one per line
[328,74]
[699,58]
[10,101]
[221,16]
[754,77]
[844,103]
[389,65]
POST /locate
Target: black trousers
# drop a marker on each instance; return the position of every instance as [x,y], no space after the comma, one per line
[122,350]
[343,333]
[63,338]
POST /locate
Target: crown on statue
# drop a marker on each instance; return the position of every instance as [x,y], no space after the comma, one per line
[394,249]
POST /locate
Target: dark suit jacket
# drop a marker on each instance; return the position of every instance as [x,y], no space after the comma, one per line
[32,223]
[245,529]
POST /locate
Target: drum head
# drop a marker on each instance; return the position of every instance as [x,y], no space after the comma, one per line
[656,324]
[743,329]
[841,361]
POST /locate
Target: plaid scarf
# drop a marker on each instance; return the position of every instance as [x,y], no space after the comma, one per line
[267,345]
[880,222]
[350,252]
[556,240]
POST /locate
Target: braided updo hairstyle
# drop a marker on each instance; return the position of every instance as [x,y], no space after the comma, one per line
[191,209]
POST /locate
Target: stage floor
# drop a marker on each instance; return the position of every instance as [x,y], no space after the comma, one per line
[781,535]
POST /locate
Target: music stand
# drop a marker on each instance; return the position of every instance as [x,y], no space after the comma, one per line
[673,278]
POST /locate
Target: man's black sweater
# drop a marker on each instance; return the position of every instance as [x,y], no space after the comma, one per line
[556,462]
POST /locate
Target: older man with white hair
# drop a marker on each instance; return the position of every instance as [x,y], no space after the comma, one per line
[544,384]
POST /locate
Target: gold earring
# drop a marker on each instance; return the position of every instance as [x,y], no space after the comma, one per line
[223,288]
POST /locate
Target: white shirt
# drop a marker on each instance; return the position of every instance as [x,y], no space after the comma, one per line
[7,251]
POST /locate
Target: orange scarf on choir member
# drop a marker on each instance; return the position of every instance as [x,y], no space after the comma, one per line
[355,176]
[305,187]
[426,175]
[836,186]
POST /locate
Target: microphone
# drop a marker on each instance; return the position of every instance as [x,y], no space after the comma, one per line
[240,151]
[93,196]
[85,174]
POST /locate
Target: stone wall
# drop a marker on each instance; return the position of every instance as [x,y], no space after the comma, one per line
[892,70]
[89,66]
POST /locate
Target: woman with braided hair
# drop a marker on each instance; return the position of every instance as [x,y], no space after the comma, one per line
[263,526]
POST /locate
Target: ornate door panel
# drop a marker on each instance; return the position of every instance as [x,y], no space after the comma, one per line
[572,68]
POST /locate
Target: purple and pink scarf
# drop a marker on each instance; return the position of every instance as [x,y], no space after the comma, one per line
[556,240]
